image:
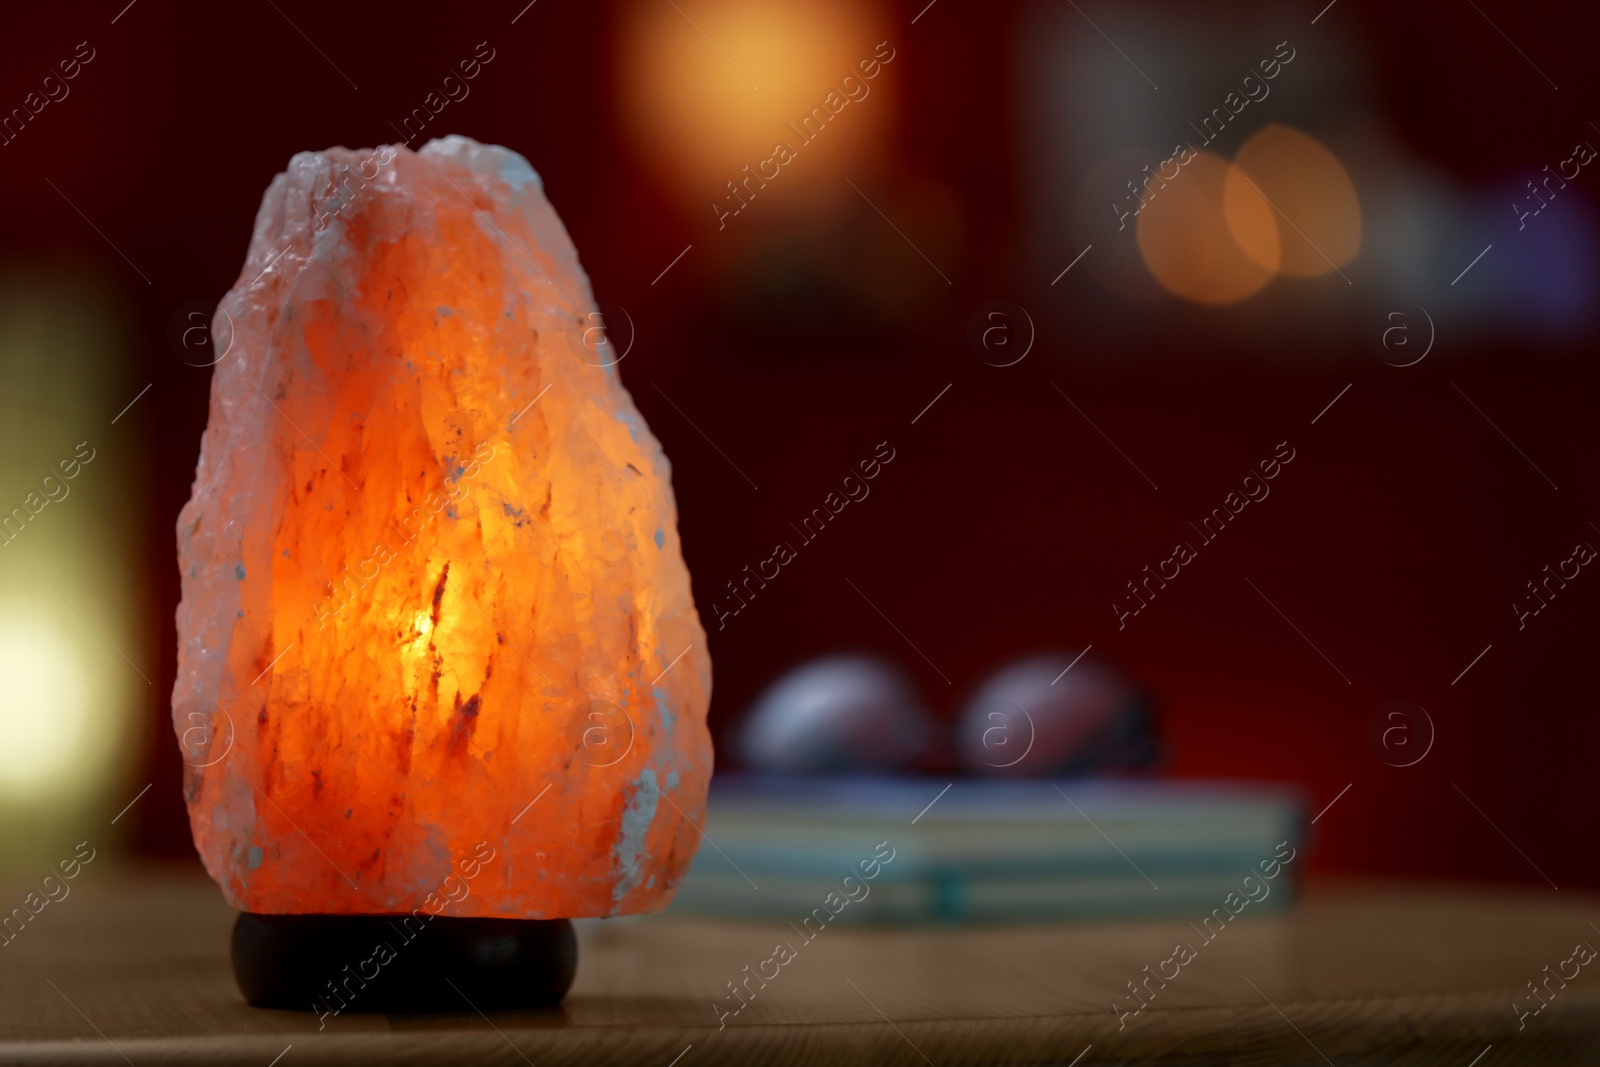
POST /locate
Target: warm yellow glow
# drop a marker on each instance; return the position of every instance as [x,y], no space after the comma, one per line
[1199,251]
[711,86]
[1309,186]
[422,624]
[44,700]
[74,666]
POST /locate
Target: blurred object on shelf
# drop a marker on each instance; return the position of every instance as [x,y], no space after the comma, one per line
[984,851]
[1052,714]
[826,264]
[1056,714]
[1307,149]
[841,713]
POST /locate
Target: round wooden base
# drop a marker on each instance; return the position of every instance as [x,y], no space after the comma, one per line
[331,964]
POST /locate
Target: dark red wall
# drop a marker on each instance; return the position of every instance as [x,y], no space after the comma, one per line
[1396,539]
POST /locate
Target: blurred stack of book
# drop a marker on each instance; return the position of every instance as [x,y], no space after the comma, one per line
[985,851]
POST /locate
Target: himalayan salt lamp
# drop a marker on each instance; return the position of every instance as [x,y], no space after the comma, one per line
[438,660]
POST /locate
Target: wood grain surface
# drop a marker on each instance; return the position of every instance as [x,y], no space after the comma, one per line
[133,969]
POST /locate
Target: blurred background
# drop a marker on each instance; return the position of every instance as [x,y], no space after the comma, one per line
[1081,268]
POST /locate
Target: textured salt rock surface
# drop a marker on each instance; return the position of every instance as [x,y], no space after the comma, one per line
[431,569]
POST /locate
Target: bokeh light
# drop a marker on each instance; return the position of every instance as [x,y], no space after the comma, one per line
[1302,179]
[44,700]
[74,664]
[711,86]
[1195,248]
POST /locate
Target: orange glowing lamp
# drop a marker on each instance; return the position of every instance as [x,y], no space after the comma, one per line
[439,664]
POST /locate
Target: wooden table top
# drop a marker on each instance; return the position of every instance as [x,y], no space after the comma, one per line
[134,969]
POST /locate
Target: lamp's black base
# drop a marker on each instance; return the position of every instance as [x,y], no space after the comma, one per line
[394,963]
